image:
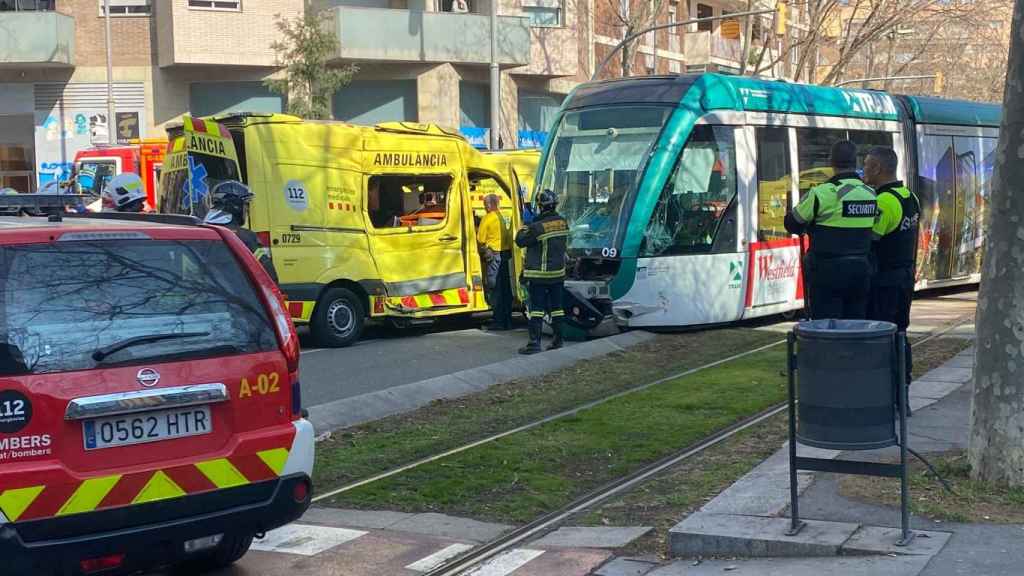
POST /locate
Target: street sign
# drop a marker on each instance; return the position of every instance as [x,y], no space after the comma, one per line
[731,29]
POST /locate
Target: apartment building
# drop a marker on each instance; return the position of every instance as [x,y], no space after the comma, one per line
[419,60]
[169,57]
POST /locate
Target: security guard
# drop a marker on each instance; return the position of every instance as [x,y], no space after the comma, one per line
[544,269]
[895,246]
[838,216]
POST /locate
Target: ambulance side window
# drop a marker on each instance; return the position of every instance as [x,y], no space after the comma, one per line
[408,201]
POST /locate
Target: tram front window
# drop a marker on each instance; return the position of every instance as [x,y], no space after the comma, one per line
[695,213]
[596,159]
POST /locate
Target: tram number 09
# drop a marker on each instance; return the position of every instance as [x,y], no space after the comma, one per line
[609,252]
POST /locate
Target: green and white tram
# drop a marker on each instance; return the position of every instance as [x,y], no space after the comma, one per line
[675,189]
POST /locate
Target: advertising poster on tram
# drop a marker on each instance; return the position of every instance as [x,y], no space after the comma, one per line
[774,272]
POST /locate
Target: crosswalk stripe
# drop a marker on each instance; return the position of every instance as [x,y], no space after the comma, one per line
[505,564]
[305,540]
[437,558]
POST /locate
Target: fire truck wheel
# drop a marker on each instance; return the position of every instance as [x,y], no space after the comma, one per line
[338,319]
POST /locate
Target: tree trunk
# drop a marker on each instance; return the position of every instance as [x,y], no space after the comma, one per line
[627,57]
[997,411]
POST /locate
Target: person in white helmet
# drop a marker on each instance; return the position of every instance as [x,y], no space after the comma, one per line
[125,193]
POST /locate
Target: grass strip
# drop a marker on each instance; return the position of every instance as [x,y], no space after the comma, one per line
[362,451]
[974,501]
[520,477]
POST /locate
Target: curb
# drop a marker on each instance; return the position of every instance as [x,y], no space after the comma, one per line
[364,408]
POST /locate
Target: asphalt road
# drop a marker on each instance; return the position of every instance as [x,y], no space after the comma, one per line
[386,357]
[389,357]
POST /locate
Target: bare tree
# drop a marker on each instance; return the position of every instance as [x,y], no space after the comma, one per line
[967,41]
[843,31]
[997,412]
[629,17]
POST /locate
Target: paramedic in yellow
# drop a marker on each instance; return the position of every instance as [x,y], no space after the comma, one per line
[495,239]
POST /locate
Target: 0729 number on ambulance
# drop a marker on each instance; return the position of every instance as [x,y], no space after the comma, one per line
[362,222]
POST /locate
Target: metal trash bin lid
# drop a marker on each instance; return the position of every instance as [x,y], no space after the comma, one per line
[835,329]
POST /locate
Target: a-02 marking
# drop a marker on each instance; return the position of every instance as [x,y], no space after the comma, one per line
[290,238]
[265,384]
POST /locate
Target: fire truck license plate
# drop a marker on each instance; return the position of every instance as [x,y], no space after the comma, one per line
[146,427]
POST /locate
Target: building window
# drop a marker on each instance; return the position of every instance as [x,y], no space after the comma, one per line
[126,7]
[674,67]
[233,5]
[27,5]
[543,13]
[705,11]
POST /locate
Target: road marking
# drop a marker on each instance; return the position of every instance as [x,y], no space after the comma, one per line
[437,558]
[304,539]
[504,564]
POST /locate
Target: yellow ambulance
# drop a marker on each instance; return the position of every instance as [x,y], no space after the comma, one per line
[361,221]
[523,163]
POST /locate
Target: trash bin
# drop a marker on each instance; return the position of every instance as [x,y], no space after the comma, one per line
[846,375]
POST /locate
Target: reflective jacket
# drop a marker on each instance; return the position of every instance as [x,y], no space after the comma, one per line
[838,215]
[262,253]
[545,241]
[896,228]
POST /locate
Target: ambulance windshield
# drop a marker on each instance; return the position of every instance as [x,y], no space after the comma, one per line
[594,164]
[185,183]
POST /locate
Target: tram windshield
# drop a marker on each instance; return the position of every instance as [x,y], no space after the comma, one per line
[595,162]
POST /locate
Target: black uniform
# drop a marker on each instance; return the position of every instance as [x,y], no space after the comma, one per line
[544,271]
[248,237]
[895,255]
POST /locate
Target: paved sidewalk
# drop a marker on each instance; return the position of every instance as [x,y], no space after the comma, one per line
[749,517]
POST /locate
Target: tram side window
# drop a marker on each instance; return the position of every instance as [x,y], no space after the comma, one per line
[866,140]
[695,213]
[774,178]
[814,147]
[407,201]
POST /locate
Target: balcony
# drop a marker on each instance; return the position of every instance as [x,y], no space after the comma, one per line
[704,48]
[37,38]
[382,34]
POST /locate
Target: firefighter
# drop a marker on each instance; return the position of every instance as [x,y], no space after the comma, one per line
[838,215]
[544,270]
[895,246]
[125,193]
[229,201]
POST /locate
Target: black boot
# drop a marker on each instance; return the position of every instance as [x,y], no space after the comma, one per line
[535,330]
[556,329]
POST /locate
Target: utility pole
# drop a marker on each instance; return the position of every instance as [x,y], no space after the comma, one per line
[111,133]
[495,79]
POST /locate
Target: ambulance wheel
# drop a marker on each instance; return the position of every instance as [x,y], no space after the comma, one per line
[338,319]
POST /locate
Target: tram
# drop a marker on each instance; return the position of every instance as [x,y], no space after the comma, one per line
[675,189]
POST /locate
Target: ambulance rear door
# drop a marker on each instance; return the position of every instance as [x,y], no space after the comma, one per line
[415,223]
[200,155]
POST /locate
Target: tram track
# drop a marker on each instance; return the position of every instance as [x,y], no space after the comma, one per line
[565,414]
[463,564]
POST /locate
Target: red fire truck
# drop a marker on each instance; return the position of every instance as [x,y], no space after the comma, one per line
[94,166]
